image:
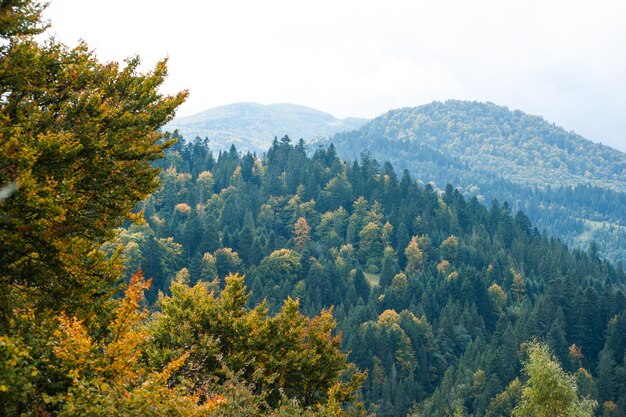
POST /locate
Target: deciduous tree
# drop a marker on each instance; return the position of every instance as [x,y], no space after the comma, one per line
[549,391]
[77,136]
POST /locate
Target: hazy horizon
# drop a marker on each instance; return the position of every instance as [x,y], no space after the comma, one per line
[560,60]
[368,118]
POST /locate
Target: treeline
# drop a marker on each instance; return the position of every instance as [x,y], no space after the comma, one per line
[434,294]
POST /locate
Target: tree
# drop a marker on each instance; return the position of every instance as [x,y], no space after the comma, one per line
[389,266]
[371,245]
[287,354]
[108,376]
[518,288]
[204,184]
[337,193]
[503,404]
[226,261]
[19,18]
[449,248]
[77,136]
[301,231]
[414,256]
[497,297]
[360,284]
[332,228]
[282,264]
[549,391]
[78,139]
[607,380]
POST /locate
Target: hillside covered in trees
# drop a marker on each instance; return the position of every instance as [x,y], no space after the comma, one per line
[142,275]
[434,293]
[567,185]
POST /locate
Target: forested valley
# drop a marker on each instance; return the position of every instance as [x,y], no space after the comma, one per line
[143,274]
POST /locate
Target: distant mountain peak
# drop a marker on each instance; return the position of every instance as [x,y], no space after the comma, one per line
[511,143]
[570,186]
[252,126]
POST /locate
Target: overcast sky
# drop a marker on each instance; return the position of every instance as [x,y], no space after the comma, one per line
[563,60]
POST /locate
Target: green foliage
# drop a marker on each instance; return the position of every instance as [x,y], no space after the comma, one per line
[504,403]
[549,391]
[17,373]
[67,366]
[449,248]
[78,137]
[20,17]
[107,375]
[284,356]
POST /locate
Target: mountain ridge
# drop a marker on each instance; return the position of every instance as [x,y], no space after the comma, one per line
[252,126]
[533,134]
[568,185]
[559,178]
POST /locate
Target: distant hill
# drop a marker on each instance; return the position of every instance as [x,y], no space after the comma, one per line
[568,185]
[252,126]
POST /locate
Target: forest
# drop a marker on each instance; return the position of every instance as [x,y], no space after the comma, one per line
[434,294]
[567,185]
[142,274]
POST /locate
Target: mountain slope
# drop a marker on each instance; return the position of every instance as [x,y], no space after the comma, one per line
[433,293]
[493,139]
[567,184]
[252,126]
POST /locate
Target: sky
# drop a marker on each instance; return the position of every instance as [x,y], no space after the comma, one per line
[563,60]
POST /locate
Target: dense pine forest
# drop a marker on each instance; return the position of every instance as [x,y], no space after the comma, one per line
[434,294]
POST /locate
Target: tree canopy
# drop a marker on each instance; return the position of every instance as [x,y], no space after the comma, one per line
[77,138]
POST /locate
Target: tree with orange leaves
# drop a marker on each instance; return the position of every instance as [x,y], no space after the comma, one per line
[107,374]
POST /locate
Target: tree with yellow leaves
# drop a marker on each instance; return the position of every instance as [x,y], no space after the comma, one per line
[285,357]
[77,137]
[414,255]
[107,374]
[301,232]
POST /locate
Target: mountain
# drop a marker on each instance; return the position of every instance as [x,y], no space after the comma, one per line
[252,126]
[568,185]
